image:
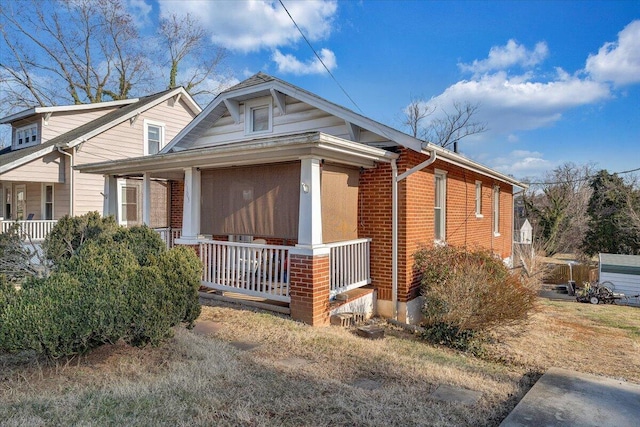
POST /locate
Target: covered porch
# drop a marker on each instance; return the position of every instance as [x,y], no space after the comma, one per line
[272,218]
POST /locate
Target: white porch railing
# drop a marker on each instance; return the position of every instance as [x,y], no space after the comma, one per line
[36,229]
[169,235]
[349,265]
[251,269]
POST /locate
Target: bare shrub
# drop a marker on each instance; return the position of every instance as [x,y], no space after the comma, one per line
[467,293]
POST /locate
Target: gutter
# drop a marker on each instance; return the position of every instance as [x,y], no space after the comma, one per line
[394,222]
[71,174]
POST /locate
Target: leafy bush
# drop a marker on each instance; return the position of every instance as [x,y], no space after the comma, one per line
[467,293]
[101,294]
[69,233]
[145,243]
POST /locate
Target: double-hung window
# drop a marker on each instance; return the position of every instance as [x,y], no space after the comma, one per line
[47,201]
[440,206]
[496,210]
[478,199]
[153,137]
[258,116]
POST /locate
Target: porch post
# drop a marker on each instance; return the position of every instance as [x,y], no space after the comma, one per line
[309,260]
[146,198]
[310,214]
[191,204]
[110,205]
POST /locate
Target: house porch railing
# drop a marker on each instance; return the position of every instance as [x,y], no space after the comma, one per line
[349,265]
[247,268]
[36,229]
[169,235]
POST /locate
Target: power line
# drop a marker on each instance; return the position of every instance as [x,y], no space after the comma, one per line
[320,59]
[585,178]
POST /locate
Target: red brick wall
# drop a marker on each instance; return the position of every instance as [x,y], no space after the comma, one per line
[416,218]
[176,201]
[309,289]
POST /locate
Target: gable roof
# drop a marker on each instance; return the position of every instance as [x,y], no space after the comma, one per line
[54,109]
[15,158]
[262,84]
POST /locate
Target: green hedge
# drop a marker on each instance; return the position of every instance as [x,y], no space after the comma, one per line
[120,284]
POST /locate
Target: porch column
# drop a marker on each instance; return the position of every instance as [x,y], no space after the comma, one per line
[191,204]
[310,213]
[110,205]
[309,260]
[146,199]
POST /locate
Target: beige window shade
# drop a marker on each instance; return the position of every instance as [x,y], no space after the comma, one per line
[256,200]
[339,203]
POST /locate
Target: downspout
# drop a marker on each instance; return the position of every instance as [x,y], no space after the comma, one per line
[394,222]
[71,194]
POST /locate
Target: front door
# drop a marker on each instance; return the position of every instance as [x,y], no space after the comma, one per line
[21,202]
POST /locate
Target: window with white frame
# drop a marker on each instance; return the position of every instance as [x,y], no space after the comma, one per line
[440,206]
[26,136]
[258,116]
[496,210]
[153,137]
[47,201]
[478,199]
[129,202]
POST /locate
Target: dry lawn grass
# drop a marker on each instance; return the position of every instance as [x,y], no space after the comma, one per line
[299,375]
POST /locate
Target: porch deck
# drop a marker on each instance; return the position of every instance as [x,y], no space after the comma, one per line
[262,271]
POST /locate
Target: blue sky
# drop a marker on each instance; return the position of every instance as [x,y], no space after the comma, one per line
[556,81]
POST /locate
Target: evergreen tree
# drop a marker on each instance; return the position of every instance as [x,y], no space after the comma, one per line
[610,225]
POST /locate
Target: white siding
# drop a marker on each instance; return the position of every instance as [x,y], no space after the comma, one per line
[63,122]
[300,117]
[121,141]
[628,284]
[48,168]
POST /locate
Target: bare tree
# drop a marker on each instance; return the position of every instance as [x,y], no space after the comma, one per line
[69,50]
[455,125]
[182,38]
[414,113]
[557,207]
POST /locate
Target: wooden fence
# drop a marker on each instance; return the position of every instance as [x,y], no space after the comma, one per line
[581,273]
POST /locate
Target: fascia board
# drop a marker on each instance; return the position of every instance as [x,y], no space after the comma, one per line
[251,152]
[456,159]
[39,110]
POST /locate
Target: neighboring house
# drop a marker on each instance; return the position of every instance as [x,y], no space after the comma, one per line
[291,198]
[624,272]
[38,184]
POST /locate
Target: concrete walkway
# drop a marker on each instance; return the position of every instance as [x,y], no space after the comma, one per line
[566,398]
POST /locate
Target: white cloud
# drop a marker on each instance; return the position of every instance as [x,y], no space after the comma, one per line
[140,11]
[509,104]
[290,64]
[522,163]
[618,62]
[503,57]
[249,26]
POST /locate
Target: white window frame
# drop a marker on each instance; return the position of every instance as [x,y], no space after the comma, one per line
[122,183]
[44,201]
[440,174]
[496,210]
[17,189]
[7,200]
[479,199]
[32,139]
[160,125]
[249,107]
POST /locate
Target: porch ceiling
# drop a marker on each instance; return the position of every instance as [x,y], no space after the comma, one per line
[258,151]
